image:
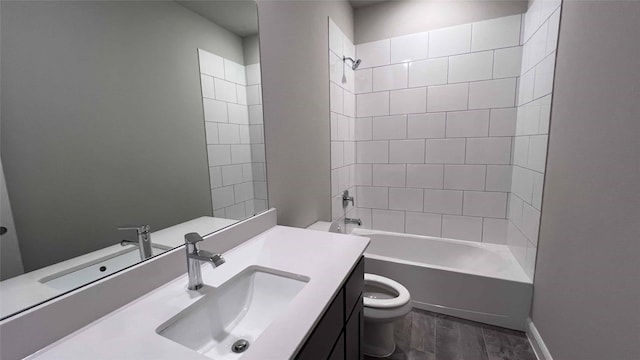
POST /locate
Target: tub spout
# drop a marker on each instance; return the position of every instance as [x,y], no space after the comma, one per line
[353,221]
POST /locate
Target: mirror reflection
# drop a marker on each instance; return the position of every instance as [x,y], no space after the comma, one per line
[124,125]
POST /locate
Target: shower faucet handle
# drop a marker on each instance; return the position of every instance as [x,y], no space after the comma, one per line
[346,199]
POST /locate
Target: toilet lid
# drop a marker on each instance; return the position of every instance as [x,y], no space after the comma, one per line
[383,282]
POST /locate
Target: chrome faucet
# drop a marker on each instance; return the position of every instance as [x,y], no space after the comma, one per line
[195,256]
[144,239]
[346,199]
[353,221]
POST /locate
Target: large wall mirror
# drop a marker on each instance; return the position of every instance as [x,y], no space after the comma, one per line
[122,114]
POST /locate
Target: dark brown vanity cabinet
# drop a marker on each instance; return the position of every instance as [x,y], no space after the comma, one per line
[338,335]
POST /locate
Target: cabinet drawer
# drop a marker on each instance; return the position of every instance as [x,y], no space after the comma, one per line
[324,336]
[353,288]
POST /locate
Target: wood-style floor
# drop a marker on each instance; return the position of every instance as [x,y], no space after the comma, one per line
[424,335]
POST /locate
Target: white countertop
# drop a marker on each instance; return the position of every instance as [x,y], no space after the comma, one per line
[130,332]
[26,290]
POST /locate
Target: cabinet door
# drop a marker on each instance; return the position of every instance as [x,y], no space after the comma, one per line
[353,333]
[326,333]
[338,349]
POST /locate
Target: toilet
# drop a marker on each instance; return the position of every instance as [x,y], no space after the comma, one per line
[385,301]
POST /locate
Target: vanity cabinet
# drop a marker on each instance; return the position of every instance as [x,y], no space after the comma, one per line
[338,334]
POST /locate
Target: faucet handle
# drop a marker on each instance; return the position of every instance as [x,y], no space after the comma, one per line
[192,238]
[141,229]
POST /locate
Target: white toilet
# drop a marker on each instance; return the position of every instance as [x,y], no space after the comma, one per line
[385,301]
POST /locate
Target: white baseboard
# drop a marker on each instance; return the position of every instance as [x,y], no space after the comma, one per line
[542,353]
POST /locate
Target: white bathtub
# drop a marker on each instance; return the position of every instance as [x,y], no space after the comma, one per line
[476,281]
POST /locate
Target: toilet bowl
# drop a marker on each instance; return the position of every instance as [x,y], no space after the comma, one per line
[385,301]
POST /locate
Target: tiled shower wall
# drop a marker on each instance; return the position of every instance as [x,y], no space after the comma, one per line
[436,116]
[232,101]
[342,100]
[540,37]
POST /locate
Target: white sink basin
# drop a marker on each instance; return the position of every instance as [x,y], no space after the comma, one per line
[240,309]
[83,274]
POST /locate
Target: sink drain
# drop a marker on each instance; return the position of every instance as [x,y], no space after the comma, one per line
[240,346]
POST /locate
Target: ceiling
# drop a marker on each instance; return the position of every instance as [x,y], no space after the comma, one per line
[240,17]
[362,3]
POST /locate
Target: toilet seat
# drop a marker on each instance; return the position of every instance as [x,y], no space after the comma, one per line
[401,299]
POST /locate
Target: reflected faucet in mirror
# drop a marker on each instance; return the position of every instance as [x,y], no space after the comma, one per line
[144,239]
[195,256]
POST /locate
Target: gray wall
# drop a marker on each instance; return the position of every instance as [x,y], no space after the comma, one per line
[396,18]
[295,73]
[251,48]
[102,120]
[587,284]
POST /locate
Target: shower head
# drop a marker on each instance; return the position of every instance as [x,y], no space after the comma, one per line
[354,63]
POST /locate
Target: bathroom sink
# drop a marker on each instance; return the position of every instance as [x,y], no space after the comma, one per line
[236,313]
[70,279]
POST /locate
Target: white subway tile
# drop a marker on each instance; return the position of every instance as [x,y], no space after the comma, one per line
[255,114]
[240,154]
[464,177]
[445,151]
[507,62]
[426,126]
[447,97]
[492,94]
[423,224]
[405,199]
[219,213]
[342,127]
[503,122]
[525,92]
[257,153]
[210,64]
[389,175]
[363,81]
[406,151]
[236,212]
[363,174]
[374,53]
[373,104]
[409,101]
[231,174]
[498,178]
[337,154]
[349,104]
[450,41]
[368,152]
[428,72]
[468,123]
[260,190]
[336,37]
[390,77]
[496,150]
[522,183]
[336,68]
[229,133]
[443,201]
[514,209]
[387,220]
[215,111]
[208,90]
[494,231]
[536,196]
[372,197]
[496,33]
[545,115]
[241,93]
[552,33]
[245,134]
[471,67]
[530,223]
[336,98]
[256,134]
[215,176]
[349,48]
[517,244]
[390,127]
[222,197]
[462,227]
[409,47]
[243,192]
[425,176]
[528,118]
[254,75]
[234,72]
[486,204]
[537,153]
[536,47]
[544,77]
[211,132]
[363,129]
[219,155]
[254,94]
[225,90]
[238,114]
